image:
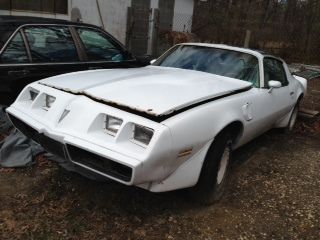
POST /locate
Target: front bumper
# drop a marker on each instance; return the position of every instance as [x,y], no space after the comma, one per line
[81,157]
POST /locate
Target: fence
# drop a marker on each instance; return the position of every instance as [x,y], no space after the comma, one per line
[289,29]
[312,100]
[292,49]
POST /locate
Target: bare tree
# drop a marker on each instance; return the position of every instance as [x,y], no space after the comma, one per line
[290,28]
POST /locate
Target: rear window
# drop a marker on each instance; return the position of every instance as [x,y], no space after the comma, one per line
[5,33]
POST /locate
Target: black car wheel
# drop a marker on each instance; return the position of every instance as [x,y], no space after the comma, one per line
[293,119]
[214,173]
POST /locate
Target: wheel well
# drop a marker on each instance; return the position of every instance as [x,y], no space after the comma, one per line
[235,128]
[300,97]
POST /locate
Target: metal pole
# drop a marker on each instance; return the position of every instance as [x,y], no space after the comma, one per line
[101,20]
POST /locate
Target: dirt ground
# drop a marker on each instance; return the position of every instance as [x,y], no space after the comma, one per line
[273,193]
[312,99]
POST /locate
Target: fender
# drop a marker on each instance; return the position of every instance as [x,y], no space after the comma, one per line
[303,82]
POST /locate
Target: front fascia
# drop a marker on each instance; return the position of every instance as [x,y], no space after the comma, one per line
[84,127]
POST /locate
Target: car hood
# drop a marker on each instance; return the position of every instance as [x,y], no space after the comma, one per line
[153,90]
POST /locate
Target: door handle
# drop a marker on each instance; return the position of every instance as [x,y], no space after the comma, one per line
[18,73]
[291,93]
[247,111]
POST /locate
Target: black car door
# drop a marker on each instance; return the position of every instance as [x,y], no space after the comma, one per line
[37,52]
[103,51]
[53,51]
[13,67]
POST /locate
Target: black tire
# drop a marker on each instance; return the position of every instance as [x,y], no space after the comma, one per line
[210,186]
[293,118]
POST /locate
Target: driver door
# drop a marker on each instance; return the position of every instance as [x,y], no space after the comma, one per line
[265,107]
[281,99]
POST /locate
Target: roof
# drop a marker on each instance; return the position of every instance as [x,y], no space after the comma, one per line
[8,24]
[257,53]
[21,20]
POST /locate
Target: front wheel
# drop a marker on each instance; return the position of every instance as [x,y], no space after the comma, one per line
[214,173]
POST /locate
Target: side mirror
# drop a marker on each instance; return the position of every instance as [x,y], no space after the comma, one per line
[152,61]
[274,84]
[144,59]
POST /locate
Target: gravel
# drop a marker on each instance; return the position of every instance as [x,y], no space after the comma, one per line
[273,193]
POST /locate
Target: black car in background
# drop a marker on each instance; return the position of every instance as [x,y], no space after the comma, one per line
[35,48]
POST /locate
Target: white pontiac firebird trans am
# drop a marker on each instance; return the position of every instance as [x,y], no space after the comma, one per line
[167,126]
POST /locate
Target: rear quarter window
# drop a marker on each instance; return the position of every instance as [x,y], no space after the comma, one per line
[15,51]
[5,33]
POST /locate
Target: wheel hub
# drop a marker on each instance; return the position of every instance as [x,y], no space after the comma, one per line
[223,165]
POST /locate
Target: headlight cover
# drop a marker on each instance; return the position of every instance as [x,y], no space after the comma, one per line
[113,124]
[142,134]
[49,100]
[33,94]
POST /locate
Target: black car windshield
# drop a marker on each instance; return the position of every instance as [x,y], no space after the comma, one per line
[217,61]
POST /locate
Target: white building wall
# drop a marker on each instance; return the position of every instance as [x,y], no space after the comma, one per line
[113,13]
[154,3]
[183,12]
[88,10]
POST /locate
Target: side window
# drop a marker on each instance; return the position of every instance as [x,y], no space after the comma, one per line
[99,47]
[273,70]
[51,44]
[5,32]
[15,52]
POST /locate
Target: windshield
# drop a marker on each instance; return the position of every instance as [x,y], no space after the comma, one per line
[217,61]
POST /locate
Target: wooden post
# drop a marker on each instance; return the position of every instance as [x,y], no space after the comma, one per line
[247,39]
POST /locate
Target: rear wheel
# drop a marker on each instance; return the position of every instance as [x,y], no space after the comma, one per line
[214,173]
[293,118]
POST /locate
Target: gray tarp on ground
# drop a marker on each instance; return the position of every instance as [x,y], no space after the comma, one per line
[16,150]
[5,124]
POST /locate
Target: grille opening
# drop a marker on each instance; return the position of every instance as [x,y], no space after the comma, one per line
[24,128]
[47,143]
[100,164]
[52,146]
